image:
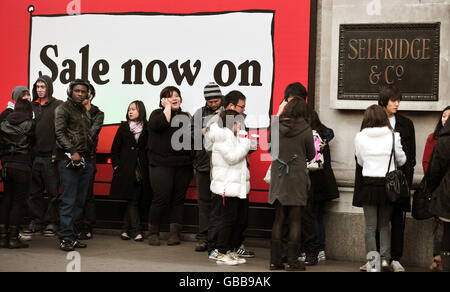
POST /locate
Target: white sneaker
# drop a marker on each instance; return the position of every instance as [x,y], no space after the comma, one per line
[25,237]
[224,259]
[397,267]
[302,257]
[235,257]
[321,257]
[363,268]
[213,254]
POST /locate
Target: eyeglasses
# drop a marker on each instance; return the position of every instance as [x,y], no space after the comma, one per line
[241,106]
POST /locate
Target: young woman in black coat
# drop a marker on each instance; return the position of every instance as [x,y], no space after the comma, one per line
[129,160]
[170,160]
[439,185]
[16,140]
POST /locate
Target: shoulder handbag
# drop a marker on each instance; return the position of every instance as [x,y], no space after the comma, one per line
[318,161]
[421,202]
[397,186]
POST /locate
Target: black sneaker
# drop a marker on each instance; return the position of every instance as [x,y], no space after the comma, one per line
[311,260]
[297,266]
[67,245]
[244,253]
[79,244]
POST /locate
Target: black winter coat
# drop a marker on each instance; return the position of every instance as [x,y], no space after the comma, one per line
[127,157]
[16,138]
[439,175]
[323,182]
[160,132]
[405,127]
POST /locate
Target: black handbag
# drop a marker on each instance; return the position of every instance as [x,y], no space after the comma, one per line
[397,187]
[421,202]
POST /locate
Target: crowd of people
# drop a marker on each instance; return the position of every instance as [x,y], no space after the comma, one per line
[46,143]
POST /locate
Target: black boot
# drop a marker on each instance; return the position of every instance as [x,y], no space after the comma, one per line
[14,241]
[293,263]
[3,236]
[445,261]
[276,250]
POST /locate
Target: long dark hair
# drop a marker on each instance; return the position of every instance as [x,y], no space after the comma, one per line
[24,106]
[141,110]
[374,117]
[439,125]
[294,110]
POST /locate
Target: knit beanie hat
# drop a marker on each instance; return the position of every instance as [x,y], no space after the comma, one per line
[212,90]
[17,91]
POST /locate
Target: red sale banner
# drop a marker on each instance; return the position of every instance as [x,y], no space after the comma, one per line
[132,49]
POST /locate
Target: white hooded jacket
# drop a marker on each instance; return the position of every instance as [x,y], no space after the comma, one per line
[373,147]
[229,173]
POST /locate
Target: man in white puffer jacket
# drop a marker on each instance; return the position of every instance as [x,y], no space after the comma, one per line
[230,179]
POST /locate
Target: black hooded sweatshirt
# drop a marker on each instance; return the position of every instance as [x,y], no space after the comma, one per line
[45,120]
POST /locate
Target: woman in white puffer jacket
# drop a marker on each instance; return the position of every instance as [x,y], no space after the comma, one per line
[373,147]
[230,179]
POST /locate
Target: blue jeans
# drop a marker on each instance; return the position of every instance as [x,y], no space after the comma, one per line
[74,184]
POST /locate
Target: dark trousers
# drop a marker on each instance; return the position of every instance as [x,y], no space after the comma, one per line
[204,198]
[232,223]
[132,218]
[74,183]
[318,210]
[397,232]
[88,217]
[169,185]
[16,188]
[214,222]
[310,241]
[44,177]
[446,237]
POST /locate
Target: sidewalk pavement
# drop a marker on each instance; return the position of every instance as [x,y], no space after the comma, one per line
[108,253]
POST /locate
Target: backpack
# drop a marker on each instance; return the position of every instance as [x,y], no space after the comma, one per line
[317,162]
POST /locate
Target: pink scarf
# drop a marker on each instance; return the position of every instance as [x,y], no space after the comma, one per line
[136,128]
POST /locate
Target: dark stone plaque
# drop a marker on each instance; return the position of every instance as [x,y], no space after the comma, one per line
[375,55]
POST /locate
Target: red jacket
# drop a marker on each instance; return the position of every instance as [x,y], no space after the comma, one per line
[429,147]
